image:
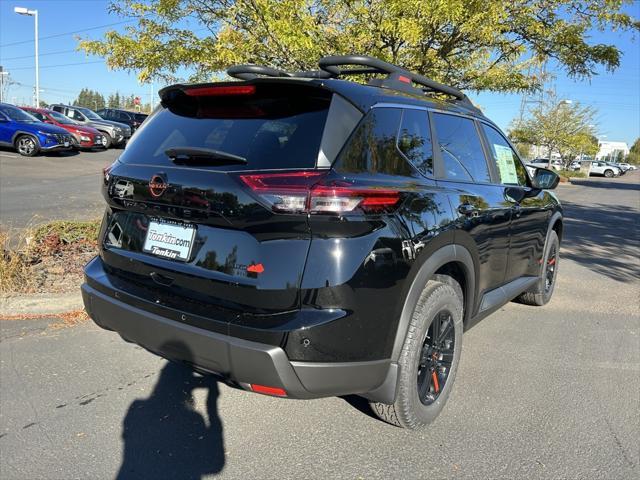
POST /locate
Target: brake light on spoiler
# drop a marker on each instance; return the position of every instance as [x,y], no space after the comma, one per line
[220,90]
[310,192]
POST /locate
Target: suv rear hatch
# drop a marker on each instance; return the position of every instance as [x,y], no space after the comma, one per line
[204,205]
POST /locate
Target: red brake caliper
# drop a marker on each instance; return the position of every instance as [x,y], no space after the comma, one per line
[436,385]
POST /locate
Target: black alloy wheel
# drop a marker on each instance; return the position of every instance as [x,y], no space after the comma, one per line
[550,273]
[543,289]
[436,357]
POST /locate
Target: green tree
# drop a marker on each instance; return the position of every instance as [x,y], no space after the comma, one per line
[475,44]
[114,100]
[560,127]
[89,99]
[634,153]
[524,149]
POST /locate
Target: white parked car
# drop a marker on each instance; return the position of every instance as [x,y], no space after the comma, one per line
[544,163]
[625,166]
[575,166]
[603,168]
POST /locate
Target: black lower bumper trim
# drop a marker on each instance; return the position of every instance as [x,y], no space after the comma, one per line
[241,361]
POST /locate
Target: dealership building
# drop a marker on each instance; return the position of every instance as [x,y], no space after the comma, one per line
[611,150]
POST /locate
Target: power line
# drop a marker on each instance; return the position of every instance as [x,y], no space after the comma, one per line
[47,89]
[41,55]
[60,65]
[68,33]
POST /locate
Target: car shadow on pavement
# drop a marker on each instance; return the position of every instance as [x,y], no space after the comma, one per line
[164,436]
[361,404]
[603,238]
[607,185]
[61,154]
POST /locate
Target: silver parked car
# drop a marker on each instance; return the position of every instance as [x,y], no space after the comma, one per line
[115,133]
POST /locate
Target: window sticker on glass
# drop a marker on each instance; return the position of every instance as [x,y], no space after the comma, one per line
[506,165]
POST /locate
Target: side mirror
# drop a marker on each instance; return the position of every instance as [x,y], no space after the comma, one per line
[545,179]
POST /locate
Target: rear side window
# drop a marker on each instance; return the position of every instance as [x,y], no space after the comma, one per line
[508,164]
[373,146]
[38,115]
[414,140]
[460,149]
[271,129]
[75,114]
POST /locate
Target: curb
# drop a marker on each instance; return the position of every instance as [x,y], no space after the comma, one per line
[40,304]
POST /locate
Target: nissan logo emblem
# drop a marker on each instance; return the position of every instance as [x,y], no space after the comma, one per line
[157,186]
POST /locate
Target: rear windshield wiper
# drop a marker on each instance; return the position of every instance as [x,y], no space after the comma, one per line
[202,156]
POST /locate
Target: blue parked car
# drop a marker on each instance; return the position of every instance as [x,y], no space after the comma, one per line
[28,135]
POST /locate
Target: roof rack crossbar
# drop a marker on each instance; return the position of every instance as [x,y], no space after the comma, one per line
[332,65]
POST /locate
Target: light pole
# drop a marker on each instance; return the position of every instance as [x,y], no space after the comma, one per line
[34,14]
[2,75]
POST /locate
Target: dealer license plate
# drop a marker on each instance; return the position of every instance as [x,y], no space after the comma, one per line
[168,239]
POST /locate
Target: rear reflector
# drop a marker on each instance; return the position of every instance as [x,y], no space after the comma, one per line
[255,268]
[220,91]
[275,391]
[305,192]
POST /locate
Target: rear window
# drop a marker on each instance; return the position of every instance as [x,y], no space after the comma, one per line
[271,129]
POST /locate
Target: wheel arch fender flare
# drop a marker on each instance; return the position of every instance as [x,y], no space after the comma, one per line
[556,217]
[23,132]
[107,130]
[446,254]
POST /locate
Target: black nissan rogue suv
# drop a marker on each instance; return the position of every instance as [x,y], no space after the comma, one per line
[304,236]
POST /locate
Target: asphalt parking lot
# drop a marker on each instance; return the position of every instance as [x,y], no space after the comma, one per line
[53,186]
[549,392]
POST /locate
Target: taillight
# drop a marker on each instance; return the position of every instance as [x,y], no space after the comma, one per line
[340,198]
[221,90]
[310,192]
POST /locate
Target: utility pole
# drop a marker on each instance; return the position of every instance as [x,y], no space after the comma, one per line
[2,75]
[531,98]
[151,99]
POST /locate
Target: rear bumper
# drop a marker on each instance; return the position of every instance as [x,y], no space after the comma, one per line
[240,361]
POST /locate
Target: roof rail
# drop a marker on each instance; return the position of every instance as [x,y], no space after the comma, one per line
[332,67]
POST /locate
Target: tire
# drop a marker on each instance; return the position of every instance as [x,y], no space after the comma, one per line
[26,145]
[108,139]
[608,173]
[549,273]
[440,305]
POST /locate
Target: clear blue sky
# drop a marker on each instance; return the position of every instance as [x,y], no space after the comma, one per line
[615,95]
